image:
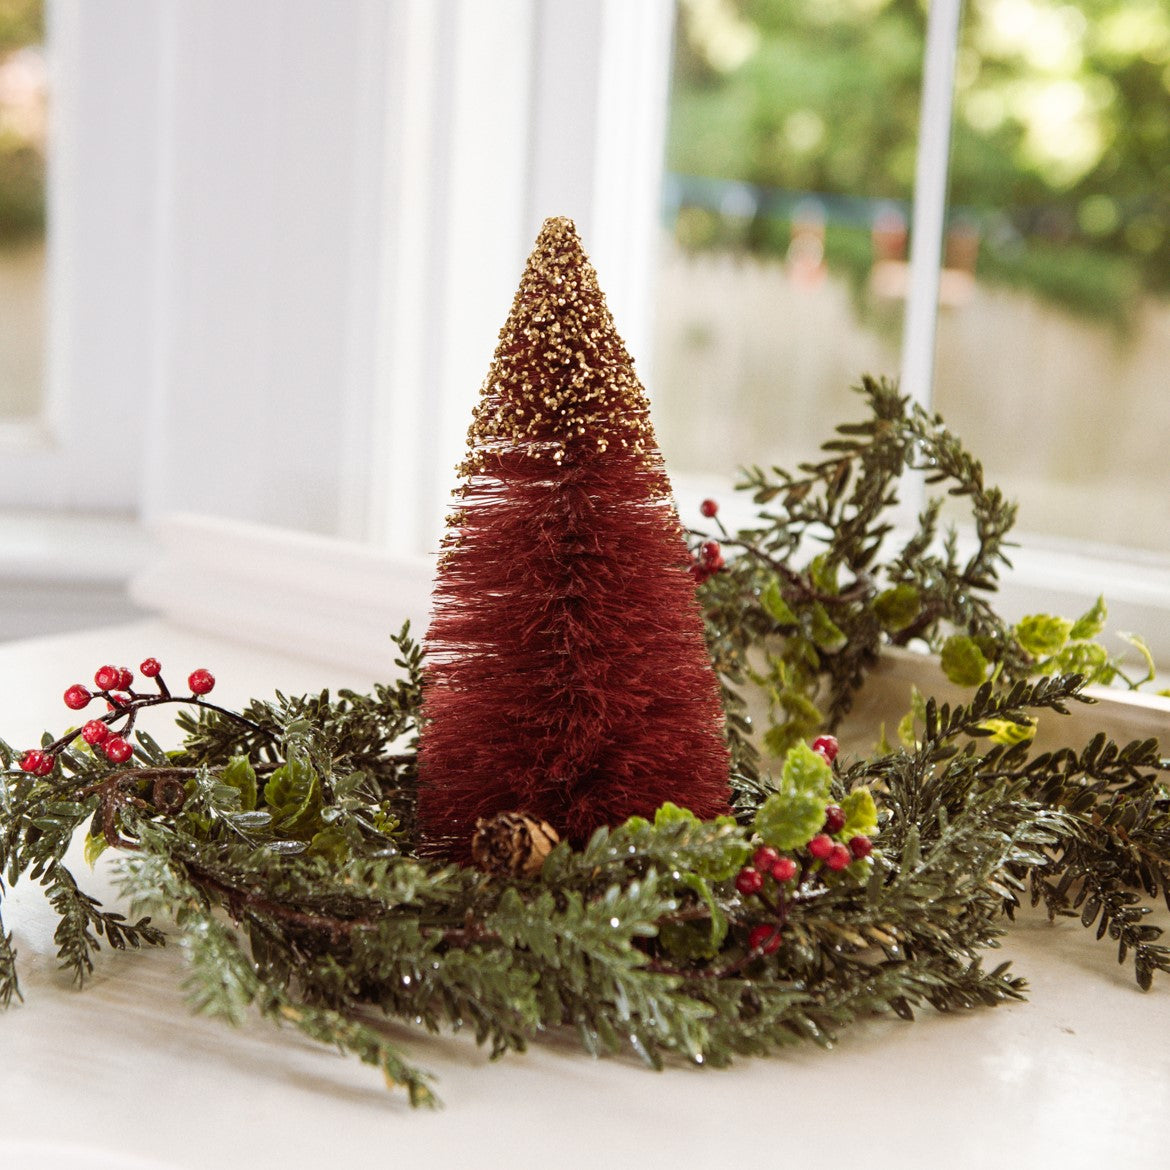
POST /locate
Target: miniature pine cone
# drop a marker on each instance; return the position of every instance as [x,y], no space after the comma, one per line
[512,844]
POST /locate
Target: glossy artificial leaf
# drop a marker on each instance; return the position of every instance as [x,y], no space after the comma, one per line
[240,775]
[823,572]
[696,940]
[1090,623]
[95,846]
[1140,646]
[1009,733]
[293,793]
[896,608]
[861,817]
[825,632]
[962,661]
[1041,634]
[789,817]
[1088,658]
[773,601]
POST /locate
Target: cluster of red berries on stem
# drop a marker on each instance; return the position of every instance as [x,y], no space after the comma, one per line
[709,555]
[115,684]
[823,850]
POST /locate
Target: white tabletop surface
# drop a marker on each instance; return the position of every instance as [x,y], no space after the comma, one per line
[122,1076]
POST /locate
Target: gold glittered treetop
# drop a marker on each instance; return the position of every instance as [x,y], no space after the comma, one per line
[561,386]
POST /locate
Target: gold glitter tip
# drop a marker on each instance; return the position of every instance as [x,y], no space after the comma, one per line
[562,384]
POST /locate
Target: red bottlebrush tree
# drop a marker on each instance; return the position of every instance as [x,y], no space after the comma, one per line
[568,677]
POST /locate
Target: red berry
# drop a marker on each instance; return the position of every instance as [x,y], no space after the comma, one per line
[200,681]
[31,761]
[77,697]
[827,746]
[765,857]
[150,667]
[834,819]
[118,700]
[839,857]
[700,573]
[749,881]
[125,678]
[821,846]
[860,846]
[711,551]
[716,563]
[784,870]
[765,938]
[107,678]
[117,749]
[709,508]
[95,732]
[46,764]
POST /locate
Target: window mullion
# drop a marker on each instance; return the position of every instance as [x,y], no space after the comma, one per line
[930,197]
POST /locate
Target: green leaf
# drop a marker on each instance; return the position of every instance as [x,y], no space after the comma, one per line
[825,632]
[331,844]
[293,793]
[773,601]
[671,814]
[694,940]
[896,608]
[95,845]
[789,817]
[1138,643]
[861,818]
[1088,658]
[1090,623]
[807,771]
[788,820]
[240,775]
[1042,634]
[823,572]
[1008,732]
[962,661]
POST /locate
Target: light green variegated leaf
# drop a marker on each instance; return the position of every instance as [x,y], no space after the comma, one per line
[773,601]
[962,661]
[1088,658]
[1009,733]
[1139,644]
[1042,634]
[861,818]
[1090,623]
[896,608]
[95,846]
[794,813]
[789,820]
[825,632]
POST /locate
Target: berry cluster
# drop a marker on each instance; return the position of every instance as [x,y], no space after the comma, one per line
[823,850]
[709,555]
[115,684]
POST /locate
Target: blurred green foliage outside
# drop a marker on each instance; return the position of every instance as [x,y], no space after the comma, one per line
[1061,144]
[22,156]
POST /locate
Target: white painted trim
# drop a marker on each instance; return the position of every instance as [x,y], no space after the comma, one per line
[1123,715]
[329,600]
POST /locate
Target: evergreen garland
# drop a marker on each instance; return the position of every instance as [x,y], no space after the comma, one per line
[281,841]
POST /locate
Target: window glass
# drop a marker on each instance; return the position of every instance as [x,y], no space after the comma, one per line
[1053,355]
[23,93]
[790,170]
